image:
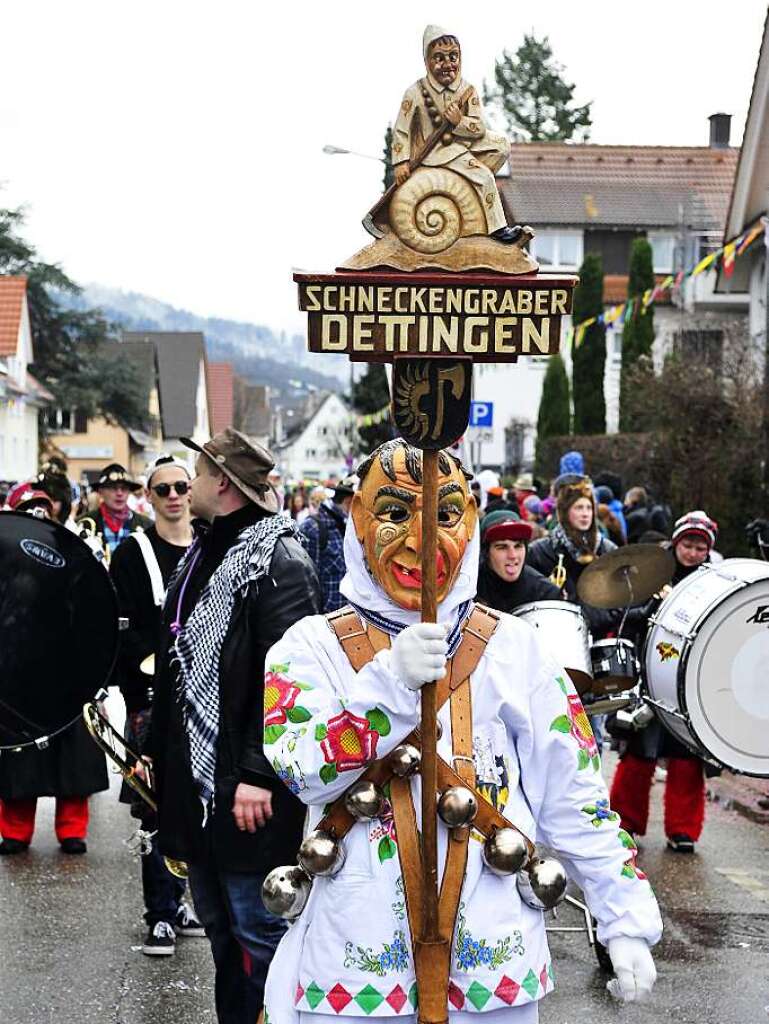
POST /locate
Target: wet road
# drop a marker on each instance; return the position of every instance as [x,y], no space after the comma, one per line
[71,930]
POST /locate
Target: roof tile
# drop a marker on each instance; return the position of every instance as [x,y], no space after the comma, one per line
[13,291]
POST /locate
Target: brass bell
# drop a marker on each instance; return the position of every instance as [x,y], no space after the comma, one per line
[542,885]
[505,852]
[405,760]
[285,891]
[364,800]
[457,806]
[321,854]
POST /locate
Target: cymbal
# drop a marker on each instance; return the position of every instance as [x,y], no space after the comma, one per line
[628,575]
[148,665]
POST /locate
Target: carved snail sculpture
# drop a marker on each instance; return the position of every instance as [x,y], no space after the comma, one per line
[433,208]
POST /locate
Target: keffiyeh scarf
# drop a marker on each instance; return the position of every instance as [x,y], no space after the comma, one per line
[198,642]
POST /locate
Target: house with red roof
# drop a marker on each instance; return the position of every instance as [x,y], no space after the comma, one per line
[21,396]
[582,198]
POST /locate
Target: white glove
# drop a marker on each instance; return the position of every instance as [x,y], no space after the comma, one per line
[418,654]
[634,967]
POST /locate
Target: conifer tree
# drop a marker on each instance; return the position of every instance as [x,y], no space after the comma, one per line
[589,358]
[371,394]
[534,99]
[638,331]
[554,417]
[387,159]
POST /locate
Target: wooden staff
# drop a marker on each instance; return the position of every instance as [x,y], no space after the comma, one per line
[429,721]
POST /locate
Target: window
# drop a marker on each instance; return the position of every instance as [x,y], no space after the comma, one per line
[663,250]
[700,348]
[557,248]
[62,421]
[705,244]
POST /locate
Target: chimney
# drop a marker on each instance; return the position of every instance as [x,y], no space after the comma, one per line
[720,127]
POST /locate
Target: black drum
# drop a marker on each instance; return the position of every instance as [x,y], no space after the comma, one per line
[615,667]
[58,628]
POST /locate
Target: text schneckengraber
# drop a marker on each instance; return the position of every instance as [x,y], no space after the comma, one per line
[496,338]
[430,300]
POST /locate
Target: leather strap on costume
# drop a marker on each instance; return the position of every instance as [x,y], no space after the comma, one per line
[432,960]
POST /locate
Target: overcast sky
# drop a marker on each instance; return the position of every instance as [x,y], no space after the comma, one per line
[175,148]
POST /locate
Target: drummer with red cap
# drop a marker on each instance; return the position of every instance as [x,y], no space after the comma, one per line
[505,582]
[694,536]
[29,497]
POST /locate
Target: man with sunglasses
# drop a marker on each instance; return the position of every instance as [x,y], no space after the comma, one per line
[141,568]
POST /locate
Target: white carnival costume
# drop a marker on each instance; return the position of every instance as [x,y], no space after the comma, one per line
[349,953]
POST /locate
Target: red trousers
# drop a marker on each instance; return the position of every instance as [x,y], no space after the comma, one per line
[684,795]
[17,818]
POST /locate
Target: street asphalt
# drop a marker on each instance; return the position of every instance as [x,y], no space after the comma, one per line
[71,931]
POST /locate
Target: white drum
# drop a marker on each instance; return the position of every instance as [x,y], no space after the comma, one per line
[706,662]
[564,630]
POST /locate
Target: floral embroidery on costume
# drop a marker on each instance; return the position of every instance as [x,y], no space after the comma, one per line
[630,869]
[599,812]
[394,956]
[291,776]
[472,952]
[576,722]
[280,707]
[384,831]
[398,905]
[349,742]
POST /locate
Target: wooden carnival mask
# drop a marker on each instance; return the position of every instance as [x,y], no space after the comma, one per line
[387,515]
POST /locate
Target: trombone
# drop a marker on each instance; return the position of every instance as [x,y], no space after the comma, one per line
[117,750]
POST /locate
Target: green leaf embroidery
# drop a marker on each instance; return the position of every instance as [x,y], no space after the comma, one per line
[301,686]
[386,849]
[562,683]
[328,773]
[627,840]
[280,669]
[320,732]
[627,870]
[596,763]
[583,759]
[561,724]
[273,733]
[378,721]
[298,714]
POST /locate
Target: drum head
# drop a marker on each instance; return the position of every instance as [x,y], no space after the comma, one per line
[58,627]
[726,681]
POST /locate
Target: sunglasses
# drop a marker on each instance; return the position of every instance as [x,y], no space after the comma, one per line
[163,490]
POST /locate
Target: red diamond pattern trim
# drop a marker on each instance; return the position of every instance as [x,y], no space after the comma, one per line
[456,996]
[299,994]
[397,999]
[543,978]
[507,990]
[338,997]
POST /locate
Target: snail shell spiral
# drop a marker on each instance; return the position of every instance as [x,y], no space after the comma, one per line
[433,208]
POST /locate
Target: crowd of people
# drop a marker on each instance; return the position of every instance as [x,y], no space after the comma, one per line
[216,572]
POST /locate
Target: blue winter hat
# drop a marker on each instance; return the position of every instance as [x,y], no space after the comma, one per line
[572,462]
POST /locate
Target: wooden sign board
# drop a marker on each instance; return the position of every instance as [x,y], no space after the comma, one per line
[378,317]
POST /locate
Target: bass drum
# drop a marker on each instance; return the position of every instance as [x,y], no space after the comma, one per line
[705,664]
[58,628]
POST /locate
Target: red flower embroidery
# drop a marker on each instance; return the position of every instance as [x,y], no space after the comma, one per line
[580,725]
[350,742]
[279,695]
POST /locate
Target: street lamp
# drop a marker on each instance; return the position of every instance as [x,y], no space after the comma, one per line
[338,150]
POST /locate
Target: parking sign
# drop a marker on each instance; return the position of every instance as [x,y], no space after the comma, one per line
[481,414]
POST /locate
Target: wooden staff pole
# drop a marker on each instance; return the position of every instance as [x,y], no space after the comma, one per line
[428,728]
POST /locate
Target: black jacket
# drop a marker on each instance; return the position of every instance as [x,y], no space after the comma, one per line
[506,597]
[543,555]
[134,590]
[259,618]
